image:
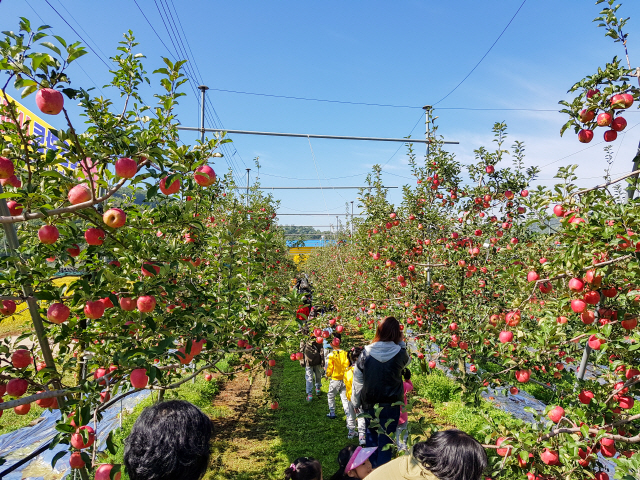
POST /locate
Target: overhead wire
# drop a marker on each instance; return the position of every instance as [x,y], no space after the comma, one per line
[189,67]
[484,56]
[77,63]
[74,31]
[228,158]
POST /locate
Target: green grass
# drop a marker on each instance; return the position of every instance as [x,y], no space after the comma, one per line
[271,440]
[17,323]
[10,421]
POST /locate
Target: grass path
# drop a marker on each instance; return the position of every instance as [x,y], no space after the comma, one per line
[258,443]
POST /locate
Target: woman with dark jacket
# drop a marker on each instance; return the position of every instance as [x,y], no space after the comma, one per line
[377,380]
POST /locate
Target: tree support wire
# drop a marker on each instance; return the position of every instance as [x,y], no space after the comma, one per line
[305,135]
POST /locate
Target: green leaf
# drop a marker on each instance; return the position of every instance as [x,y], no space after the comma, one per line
[51,46]
[57,457]
[110,446]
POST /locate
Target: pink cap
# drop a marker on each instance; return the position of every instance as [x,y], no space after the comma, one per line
[359,457]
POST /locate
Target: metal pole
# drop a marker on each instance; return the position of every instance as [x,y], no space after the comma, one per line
[352,218]
[305,135]
[583,363]
[14,244]
[247,201]
[203,89]
[427,112]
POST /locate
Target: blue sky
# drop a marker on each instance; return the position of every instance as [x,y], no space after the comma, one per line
[407,53]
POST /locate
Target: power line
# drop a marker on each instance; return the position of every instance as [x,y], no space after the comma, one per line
[483,57]
[303,179]
[74,31]
[85,32]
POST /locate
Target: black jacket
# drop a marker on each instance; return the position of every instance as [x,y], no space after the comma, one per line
[313,353]
[381,380]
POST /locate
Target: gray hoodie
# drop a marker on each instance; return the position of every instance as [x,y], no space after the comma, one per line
[381,351]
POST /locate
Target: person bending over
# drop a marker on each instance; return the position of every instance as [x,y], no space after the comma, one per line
[447,455]
[169,441]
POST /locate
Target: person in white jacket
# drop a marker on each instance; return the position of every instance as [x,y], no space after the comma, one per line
[377,380]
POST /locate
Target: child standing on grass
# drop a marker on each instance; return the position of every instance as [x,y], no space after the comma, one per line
[304,468]
[348,383]
[313,362]
[402,433]
[337,365]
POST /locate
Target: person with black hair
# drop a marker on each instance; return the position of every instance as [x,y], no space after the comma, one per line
[377,381]
[402,432]
[353,462]
[447,455]
[169,441]
[304,468]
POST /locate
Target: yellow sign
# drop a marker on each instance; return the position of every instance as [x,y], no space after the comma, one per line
[36,126]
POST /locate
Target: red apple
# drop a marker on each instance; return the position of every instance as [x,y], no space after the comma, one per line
[7,307]
[58,313]
[74,250]
[173,188]
[48,234]
[21,358]
[146,303]
[587,116]
[126,168]
[17,387]
[12,181]
[75,460]
[77,440]
[14,208]
[550,457]
[629,324]
[79,194]
[588,317]
[148,269]
[205,176]
[559,211]
[576,285]
[523,376]
[556,414]
[585,135]
[22,409]
[578,305]
[503,452]
[604,119]
[6,168]
[532,276]
[114,217]
[610,135]
[585,397]
[139,378]
[595,343]
[618,124]
[49,101]
[489,169]
[94,310]
[127,304]
[104,472]
[505,336]
[94,236]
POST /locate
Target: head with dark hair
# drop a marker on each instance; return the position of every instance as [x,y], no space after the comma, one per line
[343,458]
[169,441]
[406,374]
[304,468]
[337,335]
[452,455]
[353,354]
[388,331]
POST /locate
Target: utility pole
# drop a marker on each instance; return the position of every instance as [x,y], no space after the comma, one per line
[203,89]
[247,199]
[352,218]
[427,112]
[337,226]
